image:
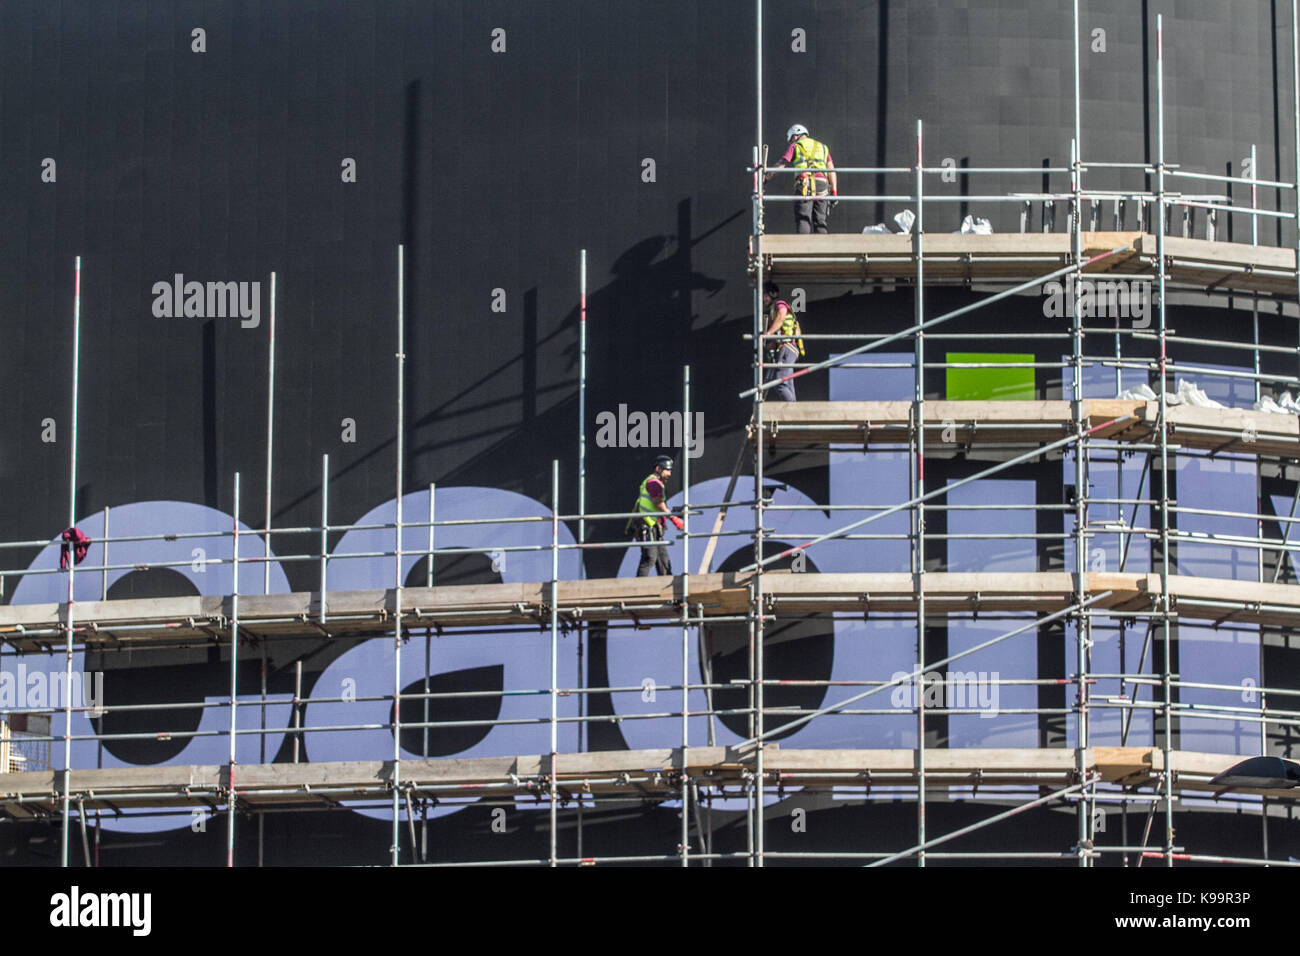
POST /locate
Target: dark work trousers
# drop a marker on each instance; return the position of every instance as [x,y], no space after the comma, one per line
[655,555]
[785,359]
[810,215]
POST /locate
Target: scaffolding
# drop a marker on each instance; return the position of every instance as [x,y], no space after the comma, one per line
[706,784]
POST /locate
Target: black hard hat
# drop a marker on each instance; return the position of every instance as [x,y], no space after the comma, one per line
[664,461]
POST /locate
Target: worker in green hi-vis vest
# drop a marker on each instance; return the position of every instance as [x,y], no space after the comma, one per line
[819,178]
[780,354]
[648,525]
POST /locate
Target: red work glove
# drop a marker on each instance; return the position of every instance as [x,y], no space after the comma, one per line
[677,522]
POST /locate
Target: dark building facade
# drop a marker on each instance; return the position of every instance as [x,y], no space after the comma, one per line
[168,144]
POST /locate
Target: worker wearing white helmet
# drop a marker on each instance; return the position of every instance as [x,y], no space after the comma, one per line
[819,180]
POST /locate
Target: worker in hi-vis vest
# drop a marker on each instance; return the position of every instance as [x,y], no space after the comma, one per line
[780,354]
[819,179]
[648,524]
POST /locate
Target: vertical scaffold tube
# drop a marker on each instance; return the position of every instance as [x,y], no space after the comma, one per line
[103,573]
[428,582]
[754,819]
[1164,445]
[582,512]
[395,838]
[685,845]
[72,562]
[555,650]
[324,536]
[270,436]
[1083,815]
[234,674]
[918,491]
[582,397]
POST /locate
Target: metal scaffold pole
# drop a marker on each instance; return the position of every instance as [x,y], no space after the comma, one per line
[1295,147]
[324,538]
[754,819]
[395,845]
[555,656]
[582,517]
[684,850]
[1078,126]
[270,436]
[1166,677]
[234,677]
[1255,366]
[754,731]
[1082,632]
[760,671]
[428,632]
[582,398]
[71,553]
[103,574]
[1259,492]
[918,494]
[758,73]
[1295,158]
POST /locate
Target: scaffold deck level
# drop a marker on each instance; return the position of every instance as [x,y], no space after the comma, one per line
[633,774]
[959,424]
[862,258]
[144,622]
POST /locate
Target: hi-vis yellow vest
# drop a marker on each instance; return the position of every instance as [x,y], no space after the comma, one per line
[645,503]
[813,155]
[789,327]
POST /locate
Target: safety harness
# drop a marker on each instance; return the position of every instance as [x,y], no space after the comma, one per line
[790,329]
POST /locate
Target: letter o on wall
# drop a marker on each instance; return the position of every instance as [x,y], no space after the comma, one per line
[153,518]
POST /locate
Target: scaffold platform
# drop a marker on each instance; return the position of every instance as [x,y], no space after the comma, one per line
[631,774]
[866,258]
[953,426]
[147,622]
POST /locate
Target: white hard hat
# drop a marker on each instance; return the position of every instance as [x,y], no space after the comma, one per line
[798,129]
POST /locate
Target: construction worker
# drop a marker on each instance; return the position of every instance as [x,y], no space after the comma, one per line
[806,153]
[780,354]
[649,524]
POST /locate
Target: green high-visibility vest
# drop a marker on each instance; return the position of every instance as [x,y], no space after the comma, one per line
[645,503]
[810,154]
[789,326]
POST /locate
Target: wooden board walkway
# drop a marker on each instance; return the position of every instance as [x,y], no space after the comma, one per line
[177,621]
[632,774]
[954,426]
[861,258]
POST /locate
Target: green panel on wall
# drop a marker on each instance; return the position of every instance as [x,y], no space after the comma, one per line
[987,384]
